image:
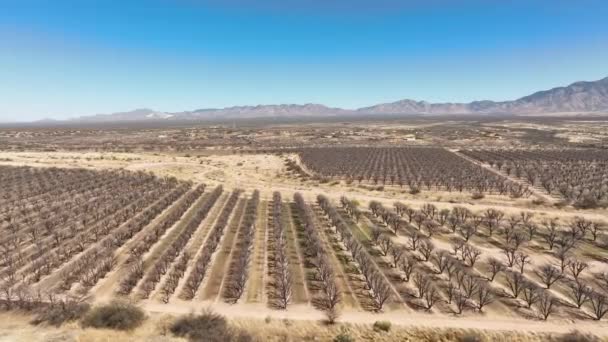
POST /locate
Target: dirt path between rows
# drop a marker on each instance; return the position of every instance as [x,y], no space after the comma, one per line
[414,319]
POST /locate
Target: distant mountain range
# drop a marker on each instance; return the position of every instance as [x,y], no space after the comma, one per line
[577,98]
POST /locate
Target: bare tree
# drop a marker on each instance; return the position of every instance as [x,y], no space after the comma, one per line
[380,289]
[429,211]
[531,229]
[467,231]
[396,252]
[599,305]
[495,266]
[470,285]
[515,282]
[450,290]
[551,232]
[549,274]
[546,304]
[470,254]
[431,297]
[576,267]
[426,249]
[407,266]
[583,225]
[441,261]
[493,218]
[461,301]
[484,296]
[376,233]
[431,227]
[596,229]
[522,260]
[385,245]
[510,253]
[531,293]
[563,255]
[422,283]
[579,293]
[414,238]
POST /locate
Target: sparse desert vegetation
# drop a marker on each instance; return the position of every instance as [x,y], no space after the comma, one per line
[434,236]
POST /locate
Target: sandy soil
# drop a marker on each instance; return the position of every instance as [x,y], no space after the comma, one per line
[268,173]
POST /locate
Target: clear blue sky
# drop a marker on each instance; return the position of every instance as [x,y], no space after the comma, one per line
[69,58]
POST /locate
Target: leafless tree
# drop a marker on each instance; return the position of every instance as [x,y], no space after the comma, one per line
[441,261]
[429,210]
[546,304]
[583,225]
[495,266]
[431,297]
[442,216]
[450,290]
[397,252]
[563,254]
[414,238]
[579,293]
[431,227]
[599,305]
[381,290]
[493,219]
[576,267]
[550,235]
[484,296]
[376,233]
[549,274]
[470,285]
[422,283]
[426,249]
[522,259]
[531,293]
[515,282]
[461,301]
[385,245]
[470,254]
[510,253]
[467,231]
[596,229]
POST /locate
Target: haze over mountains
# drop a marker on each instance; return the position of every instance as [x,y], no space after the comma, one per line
[576,98]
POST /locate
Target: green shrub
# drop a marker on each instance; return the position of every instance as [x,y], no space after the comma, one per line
[58,314]
[208,327]
[470,337]
[477,195]
[116,315]
[344,337]
[382,326]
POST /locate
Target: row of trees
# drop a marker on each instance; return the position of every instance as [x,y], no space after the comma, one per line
[186,230]
[315,252]
[95,262]
[378,285]
[167,221]
[416,167]
[239,268]
[84,217]
[280,261]
[135,262]
[575,175]
[203,260]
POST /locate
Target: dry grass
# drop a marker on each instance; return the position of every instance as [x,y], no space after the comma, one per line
[16,327]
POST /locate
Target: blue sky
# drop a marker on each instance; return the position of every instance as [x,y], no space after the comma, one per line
[69,58]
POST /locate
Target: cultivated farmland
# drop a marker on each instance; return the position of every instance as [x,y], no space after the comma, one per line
[170,245]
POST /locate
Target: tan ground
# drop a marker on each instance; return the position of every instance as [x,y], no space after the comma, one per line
[267,173]
[15,328]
